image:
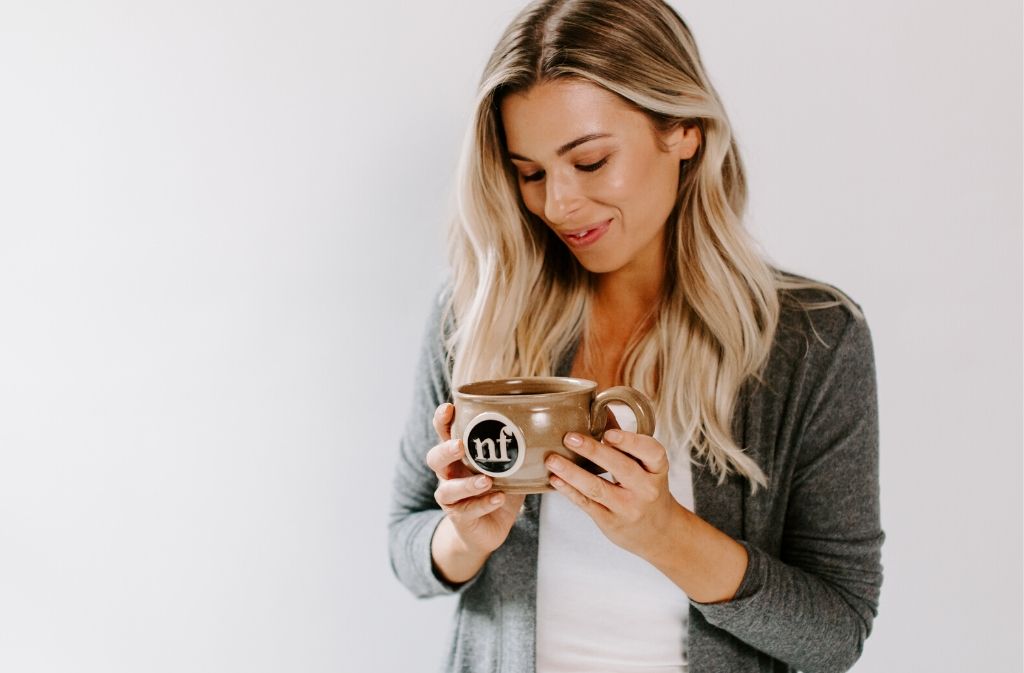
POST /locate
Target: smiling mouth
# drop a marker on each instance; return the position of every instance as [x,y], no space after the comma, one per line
[584,238]
[580,233]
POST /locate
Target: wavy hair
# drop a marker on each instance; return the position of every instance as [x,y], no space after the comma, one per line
[519,300]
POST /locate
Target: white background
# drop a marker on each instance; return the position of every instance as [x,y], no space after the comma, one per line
[220,226]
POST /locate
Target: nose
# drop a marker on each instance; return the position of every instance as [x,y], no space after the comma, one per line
[562,197]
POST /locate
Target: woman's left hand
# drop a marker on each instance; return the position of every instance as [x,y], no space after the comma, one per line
[635,512]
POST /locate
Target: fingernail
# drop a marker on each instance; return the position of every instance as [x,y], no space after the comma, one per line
[480,482]
[454,448]
[554,462]
[572,439]
[613,436]
[496,498]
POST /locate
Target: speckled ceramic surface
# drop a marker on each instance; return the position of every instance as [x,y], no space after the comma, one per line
[510,426]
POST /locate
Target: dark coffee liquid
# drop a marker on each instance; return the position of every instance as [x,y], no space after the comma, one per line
[513,388]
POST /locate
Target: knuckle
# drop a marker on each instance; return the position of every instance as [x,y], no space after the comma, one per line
[586,447]
[661,464]
[432,459]
[473,508]
[482,505]
[466,488]
[646,491]
[441,455]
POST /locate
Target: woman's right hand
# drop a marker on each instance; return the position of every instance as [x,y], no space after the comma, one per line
[477,519]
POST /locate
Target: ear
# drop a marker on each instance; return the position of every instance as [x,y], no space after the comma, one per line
[688,141]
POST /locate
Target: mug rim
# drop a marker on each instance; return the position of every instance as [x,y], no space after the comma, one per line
[584,386]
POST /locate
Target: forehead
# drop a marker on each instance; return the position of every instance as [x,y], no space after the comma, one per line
[548,115]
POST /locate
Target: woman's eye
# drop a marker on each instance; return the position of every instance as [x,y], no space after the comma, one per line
[590,168]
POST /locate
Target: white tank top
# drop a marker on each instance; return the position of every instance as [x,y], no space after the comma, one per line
[600,608]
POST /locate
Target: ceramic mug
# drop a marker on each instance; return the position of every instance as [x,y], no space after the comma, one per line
[510,426]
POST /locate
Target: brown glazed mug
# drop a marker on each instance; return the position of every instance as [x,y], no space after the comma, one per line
[508,427]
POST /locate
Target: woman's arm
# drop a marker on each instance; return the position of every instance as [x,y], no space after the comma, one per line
[814,605]
[638,513]
[415,513]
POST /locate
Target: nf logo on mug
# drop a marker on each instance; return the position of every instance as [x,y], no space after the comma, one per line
[494,445]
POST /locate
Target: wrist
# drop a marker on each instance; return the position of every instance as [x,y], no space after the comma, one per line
[702,560]
[675,533]
[455,560]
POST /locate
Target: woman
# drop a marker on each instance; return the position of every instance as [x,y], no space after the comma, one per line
[599,235]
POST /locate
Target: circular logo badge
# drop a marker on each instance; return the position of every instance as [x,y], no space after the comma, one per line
[494,445]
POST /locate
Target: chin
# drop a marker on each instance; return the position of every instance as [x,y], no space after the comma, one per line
[598,264]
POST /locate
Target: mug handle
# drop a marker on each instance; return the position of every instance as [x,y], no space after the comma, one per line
[642,408]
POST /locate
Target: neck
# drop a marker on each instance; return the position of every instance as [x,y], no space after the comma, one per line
[631,291]
[623,305]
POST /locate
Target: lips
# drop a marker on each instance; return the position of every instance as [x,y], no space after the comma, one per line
[585,236]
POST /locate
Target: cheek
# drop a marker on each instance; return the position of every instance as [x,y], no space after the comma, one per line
[621,186]
[653,183]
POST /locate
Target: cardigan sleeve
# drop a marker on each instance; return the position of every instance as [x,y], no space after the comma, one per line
[414,514]
[813,608]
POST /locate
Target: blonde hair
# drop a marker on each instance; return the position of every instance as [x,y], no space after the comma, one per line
[519,300]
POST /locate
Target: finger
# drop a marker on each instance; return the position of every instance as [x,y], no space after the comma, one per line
[458,471]
[445,459]
[514,502]
[646,449]
[475,508]
[591,507]
[592,487]
[443,418]
[622,466]
[451,491]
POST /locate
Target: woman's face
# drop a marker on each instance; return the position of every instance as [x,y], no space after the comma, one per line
[590,167]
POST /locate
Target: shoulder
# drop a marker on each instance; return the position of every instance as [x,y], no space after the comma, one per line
[821,366]
[434,361]
[819,326]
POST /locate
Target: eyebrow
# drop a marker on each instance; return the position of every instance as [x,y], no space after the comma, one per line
[566,147]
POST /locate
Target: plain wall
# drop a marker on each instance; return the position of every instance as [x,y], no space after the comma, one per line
[221,223]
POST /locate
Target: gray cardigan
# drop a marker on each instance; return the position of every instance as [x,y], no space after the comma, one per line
[810,592]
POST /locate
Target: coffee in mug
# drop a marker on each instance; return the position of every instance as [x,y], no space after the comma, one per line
[508,427]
